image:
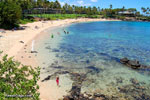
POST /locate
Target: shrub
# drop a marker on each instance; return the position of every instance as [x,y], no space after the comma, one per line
[10,13]
[17,79]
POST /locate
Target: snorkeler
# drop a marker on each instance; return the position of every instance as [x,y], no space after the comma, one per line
[52,36]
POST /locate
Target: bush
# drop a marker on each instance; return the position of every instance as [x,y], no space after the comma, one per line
[10,13]
[17,79]
[25,21]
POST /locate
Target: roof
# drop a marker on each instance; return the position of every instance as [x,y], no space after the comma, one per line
[125,12]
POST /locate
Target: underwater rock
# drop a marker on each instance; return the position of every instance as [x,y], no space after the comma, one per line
[47,78]
[58,67]
[48,47]
[135,91]
[131,63]
[134,63]
[87,61]
[93,68]
[124,60]
[55,74]
[134,81]
[102,96]
[55,50]
[119,80]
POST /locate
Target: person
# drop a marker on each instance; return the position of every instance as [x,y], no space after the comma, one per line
[57,81]
[58,33]
[52,36]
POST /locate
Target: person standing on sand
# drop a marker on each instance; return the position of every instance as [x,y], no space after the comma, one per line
[57,81]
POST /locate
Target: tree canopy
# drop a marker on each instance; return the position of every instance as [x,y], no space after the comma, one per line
[10,13]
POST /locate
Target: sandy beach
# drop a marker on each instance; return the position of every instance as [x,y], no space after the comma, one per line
[18,44]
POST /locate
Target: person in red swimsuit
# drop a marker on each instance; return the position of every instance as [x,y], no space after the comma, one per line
[57,81]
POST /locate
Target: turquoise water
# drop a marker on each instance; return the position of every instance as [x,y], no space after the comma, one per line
[115,39]
[94,48]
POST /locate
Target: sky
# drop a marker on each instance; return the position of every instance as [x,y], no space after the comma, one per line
[106,3]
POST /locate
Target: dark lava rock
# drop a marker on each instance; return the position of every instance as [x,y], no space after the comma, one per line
[55,74]
[119,80]
[21,41]
[68,98]
[58,67]
[124,60]
[34,52]
[134,63]
[87,61]
[102,96]
[131,63]
[48,47]
[134,81]
[55,50]
[93,68]
[47,78]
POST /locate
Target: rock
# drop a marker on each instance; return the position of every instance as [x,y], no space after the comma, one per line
[95,69]
[29,56]
[134,63]
[48,47]
[124,60]
[131,63]
[68,98]
[58,67]
[122,89]
[87,61]
[21,41]
[134,81]
[47,78]
[55,50]
[119,80]
[100,96]
[34,52]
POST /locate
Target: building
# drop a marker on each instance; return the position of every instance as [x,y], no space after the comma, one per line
[126,13]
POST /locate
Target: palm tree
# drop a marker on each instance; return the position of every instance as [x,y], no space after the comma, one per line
[110,6]
[143,10]
[123,8]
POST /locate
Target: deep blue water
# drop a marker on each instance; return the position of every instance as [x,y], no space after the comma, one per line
[116,39]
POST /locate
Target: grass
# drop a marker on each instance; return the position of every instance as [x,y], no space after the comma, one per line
[63,16]
[30,17]
[25,21]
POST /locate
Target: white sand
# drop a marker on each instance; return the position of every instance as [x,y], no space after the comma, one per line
[9,44]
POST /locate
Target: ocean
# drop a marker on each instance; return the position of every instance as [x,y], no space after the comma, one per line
[94,49]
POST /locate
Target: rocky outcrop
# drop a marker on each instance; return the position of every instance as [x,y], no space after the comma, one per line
[132,63]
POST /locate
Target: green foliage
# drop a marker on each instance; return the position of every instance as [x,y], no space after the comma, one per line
[121,17]
[58,16]
[10,13]
[17,79]
[25,21]
[64,16]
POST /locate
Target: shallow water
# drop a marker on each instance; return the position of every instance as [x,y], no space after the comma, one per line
[94,48]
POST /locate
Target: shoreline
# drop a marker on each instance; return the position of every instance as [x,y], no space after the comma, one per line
[18,44]
[27,35]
